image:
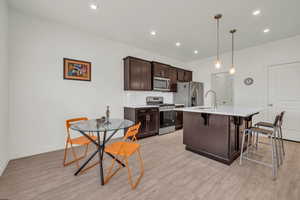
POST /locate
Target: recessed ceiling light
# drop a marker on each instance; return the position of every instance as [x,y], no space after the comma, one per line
[93,6]
[153,33]
[196,52]
[256,12]
[266,30]
[177,44]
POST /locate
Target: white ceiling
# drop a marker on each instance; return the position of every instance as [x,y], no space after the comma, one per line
[188,21]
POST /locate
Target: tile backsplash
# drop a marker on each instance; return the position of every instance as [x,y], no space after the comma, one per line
[139,97]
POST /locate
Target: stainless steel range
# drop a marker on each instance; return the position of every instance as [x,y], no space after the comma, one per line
[166,112]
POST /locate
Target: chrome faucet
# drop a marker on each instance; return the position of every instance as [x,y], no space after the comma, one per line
[215,95]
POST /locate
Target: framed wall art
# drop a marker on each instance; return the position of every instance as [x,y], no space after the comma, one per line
[77,70]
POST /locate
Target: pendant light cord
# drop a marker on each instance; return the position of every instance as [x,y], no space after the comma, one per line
[218,17]
[232,46]
[218,39]
[232,49]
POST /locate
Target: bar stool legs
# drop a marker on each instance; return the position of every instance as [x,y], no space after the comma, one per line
[242,147]
[281,141]
[274,158]
[244,155]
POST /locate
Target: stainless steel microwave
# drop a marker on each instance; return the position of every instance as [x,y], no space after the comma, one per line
[161,84]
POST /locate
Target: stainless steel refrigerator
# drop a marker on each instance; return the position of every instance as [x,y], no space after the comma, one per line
[189,93]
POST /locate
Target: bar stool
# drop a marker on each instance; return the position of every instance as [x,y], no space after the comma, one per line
[270,125]
[272,134]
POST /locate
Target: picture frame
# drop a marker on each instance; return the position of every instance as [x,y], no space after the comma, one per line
[77,70]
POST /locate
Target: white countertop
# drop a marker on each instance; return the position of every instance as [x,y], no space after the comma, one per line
[179,104]
[148,106]
[142,106]
[223,110]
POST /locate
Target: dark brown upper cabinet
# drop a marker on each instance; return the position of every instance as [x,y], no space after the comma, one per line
[137,74]
[180,75]
[188,76]
[184,75]
[173,79]
[160,70]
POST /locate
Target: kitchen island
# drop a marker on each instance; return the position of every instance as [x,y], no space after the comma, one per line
[216,132]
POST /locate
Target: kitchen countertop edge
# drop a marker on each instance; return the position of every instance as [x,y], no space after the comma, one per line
[141,106]
[223,110]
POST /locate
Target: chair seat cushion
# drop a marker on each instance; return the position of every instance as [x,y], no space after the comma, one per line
[261,130]
[82,140]
[122,148]
[265,124]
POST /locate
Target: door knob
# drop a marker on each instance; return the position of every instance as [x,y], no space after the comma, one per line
[270,105]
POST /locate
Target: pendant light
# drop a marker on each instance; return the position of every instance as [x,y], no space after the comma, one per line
[218,62]
[232,67]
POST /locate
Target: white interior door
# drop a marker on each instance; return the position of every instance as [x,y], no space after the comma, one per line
[284,95]
[222,84]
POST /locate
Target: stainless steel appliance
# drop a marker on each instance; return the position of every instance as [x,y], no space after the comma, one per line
[161,84]
[166,114]
[189,93]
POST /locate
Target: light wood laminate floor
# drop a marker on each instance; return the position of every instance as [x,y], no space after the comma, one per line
[171,172]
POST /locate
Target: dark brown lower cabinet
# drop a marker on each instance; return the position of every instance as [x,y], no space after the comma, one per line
[149,118]
[179,118]
[215,136]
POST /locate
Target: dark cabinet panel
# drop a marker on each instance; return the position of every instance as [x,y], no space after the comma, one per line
[149,118]
[188,76]
[173,79]
[160,70]
[153,121]
[142,117]
[180,75]
[179,118]
[184,75]
[137,74]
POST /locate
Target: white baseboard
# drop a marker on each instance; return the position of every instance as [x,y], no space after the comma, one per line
[3,167]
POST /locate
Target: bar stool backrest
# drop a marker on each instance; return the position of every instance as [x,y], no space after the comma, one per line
[276,122]
[281,118]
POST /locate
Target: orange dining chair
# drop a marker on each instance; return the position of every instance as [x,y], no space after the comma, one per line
[124,149]
[80,141]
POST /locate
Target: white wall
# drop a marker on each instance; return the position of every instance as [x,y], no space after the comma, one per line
[3,87]
[251,62]
[41,100]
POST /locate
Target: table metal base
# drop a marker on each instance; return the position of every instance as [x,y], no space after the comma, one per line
[100,151]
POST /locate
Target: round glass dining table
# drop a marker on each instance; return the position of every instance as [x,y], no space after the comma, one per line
[105,131]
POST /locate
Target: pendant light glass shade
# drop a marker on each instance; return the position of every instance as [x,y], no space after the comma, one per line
[232,67]
[232,70]
[218,63]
